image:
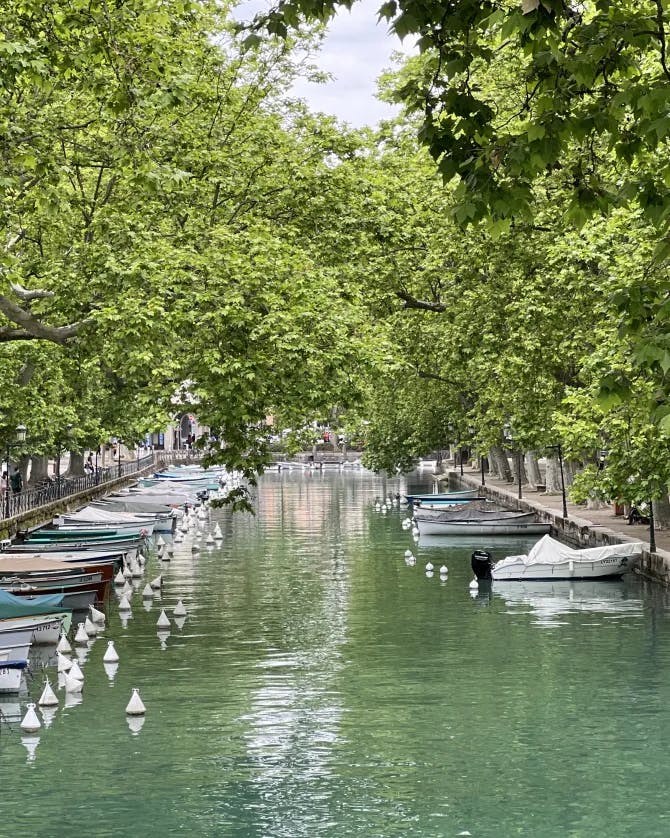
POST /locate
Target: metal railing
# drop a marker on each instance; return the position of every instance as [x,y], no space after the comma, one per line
[57,488]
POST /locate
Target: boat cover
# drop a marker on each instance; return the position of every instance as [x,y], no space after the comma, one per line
[474,511]
[549,551]
[19,606]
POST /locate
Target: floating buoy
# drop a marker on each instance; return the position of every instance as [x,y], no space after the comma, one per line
[429,566]
[119,579]
[160,541]
[408,554]
[97,616]
[178,537]
[135,707]
[81,636]
[48,697]
[474,585]
[111,655]
[217,532]
[444,570]
[63,644]
[180,610]
[75,672]
[210,539]
[127,588]
[30,722]
[157,583]
[72,685]
[90,628]
[64,663]
[136,571]
[147,592]
[124,605]
[127,572]
[163,620]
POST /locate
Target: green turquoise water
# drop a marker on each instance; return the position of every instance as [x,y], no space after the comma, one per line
[321,687]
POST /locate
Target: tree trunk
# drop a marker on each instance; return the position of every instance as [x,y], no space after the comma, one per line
[39,469]
[517,462]
[76,467]
[500,464]
[552,476]
[661,513]
[533,469]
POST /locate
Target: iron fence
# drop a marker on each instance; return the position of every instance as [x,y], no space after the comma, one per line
[57,488]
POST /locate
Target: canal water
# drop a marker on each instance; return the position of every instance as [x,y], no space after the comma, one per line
[321,687]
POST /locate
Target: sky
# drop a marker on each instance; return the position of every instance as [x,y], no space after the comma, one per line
[355,52]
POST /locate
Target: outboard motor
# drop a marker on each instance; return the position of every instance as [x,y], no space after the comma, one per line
[482,563]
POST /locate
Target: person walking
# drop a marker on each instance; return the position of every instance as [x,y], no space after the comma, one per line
[16,481]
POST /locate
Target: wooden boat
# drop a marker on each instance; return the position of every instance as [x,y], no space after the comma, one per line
[95,517]
[478,519]
[550,559]
[44,628]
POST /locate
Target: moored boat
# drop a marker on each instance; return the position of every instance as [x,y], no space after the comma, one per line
[11,672]
[478,519]
[550,559]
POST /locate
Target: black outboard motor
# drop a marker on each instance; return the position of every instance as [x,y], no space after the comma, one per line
[482,563]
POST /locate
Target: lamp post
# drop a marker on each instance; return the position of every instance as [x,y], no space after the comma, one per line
[20,439]
[118,456]
[559,451]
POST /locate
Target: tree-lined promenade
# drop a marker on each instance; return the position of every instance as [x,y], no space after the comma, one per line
[488,272]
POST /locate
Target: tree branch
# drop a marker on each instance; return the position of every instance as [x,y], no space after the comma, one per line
[30,327]
[424,305]
[25,294]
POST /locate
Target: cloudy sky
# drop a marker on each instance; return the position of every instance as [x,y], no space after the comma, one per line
[355,52]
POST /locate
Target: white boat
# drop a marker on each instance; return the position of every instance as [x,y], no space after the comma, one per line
[45,628]
[476,519]
[549,559]
[11,673]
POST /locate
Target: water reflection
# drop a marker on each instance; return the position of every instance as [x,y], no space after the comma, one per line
[549,601]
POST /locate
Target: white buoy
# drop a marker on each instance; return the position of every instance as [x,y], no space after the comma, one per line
[444,570]
[135,707]
[474,585]
[429,566]
[119,579]
[210,539]
[136,570]
[75,671]
[127,589]
[81,636]
[91,628]
[408,554]
[218,535]
[147,592]
[48,697]
[64,663]
[160,541]
[124,605]
[163,620]
[127,572]
[157,583]
[97,616]
[63,644]
[72,685]
[111,655]
[180,610]
[30,722]
[178,537]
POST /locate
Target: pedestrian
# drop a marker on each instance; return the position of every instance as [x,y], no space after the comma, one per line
[88,465]
[3,484]
[16,481]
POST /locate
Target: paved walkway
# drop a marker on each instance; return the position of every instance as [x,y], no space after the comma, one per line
[602,524]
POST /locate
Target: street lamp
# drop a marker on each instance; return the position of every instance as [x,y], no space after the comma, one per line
[118,455]
[20,439]
[559,451]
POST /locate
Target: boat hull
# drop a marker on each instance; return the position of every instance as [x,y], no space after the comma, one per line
[608,568]
[45,629]
[11,675]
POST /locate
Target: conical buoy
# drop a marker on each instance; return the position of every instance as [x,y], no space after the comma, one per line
[127,572]
[30,722]
[136,571]
[97,616]
[81,636]
[111,655]
[127,588]
[63,644]
[147,592]
[209,539]
[48,697]
[135,707]
[163,620]
[119,579]
[429,566]
[124,605]
[90,628]
[75,671]
[444,570]
[157,583]
[178,537]
[218,535]
[64,663]
[180,610]
[160,541]
[474,585]
[408,553]
[72,685]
